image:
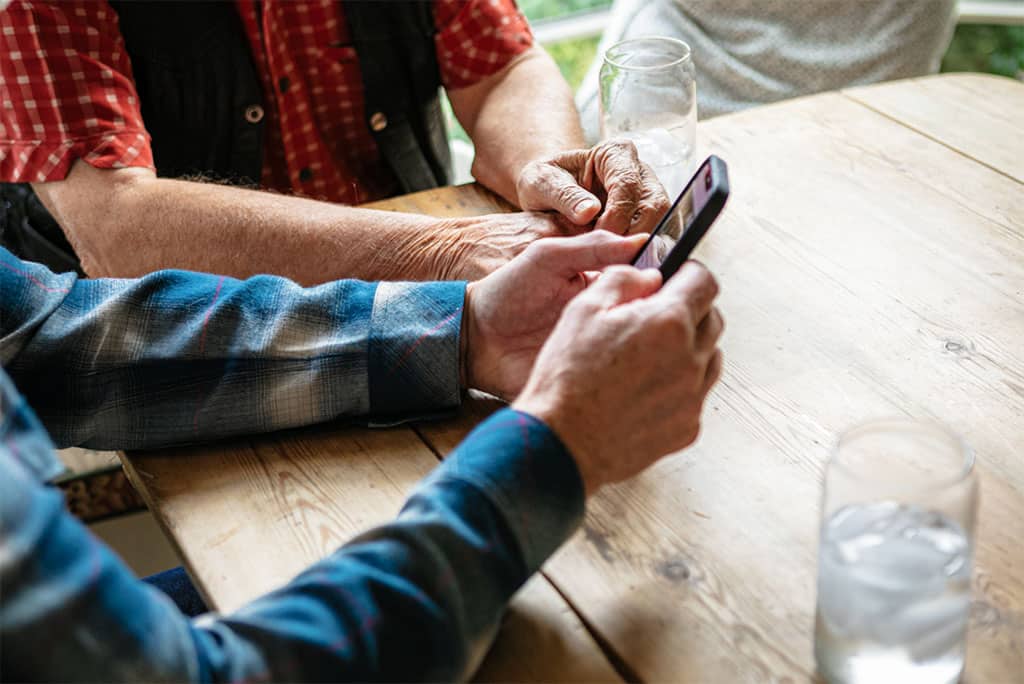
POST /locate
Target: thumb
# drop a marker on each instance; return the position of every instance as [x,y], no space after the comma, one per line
[554,188]
[621,284]
[590,251]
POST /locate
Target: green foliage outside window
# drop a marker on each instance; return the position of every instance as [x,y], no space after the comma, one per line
[994,49]
[537,10]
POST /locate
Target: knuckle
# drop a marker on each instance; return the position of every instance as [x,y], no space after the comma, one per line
[630,177]
[719,322]
[597,238]
[622,146]
[539,248]
[531,175]
[704,287]
[691,366]
[660,203]
[617,274]
[670,325]
[649,206]
[620,205]
[691,432]
[711,287]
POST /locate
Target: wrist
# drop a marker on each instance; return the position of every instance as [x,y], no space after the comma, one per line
[435,251]
[452,249]
[549,408]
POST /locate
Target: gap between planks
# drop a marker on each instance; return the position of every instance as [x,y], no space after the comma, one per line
[617,662]
[135,479]
[927,135]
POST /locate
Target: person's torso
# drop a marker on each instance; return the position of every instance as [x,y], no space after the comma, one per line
[754,51]
[273,94]
[275,84]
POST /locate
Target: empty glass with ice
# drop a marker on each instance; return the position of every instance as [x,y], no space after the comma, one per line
[895,555]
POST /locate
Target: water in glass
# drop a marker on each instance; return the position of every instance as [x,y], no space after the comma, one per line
[893,595]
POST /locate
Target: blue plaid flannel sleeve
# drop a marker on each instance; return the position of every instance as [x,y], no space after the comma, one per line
[177,357]
[181,356]
[418,599]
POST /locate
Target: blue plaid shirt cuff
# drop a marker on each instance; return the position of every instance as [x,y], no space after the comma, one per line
[413,359]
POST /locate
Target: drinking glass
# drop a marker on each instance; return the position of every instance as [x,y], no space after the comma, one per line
[895,555]
[649,95]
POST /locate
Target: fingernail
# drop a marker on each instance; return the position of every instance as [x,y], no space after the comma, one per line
[584,205]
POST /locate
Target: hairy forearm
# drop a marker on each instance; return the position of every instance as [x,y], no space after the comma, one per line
[138,223]
[522,113]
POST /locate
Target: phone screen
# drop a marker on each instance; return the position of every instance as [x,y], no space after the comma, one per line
[687,206]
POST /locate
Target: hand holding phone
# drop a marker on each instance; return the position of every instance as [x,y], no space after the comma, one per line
[697,206]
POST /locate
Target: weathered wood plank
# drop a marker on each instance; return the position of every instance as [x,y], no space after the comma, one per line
[248,516]
[976,114]
[868,266]
[866,271]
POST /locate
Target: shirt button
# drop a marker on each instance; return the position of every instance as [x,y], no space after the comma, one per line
[378,121]
[305,175]
[254,114]
[283,83]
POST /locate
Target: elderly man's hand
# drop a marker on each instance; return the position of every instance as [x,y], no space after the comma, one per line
[509,314]
[578,183]
[623,376]
[473,247]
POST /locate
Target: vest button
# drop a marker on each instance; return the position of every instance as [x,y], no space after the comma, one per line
[378,121]
[254,114]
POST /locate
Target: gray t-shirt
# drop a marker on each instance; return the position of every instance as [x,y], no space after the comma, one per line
[749,52]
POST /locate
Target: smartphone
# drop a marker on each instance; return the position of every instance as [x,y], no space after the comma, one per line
[697,206]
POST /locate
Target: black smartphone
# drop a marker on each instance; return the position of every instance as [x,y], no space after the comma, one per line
[697,207]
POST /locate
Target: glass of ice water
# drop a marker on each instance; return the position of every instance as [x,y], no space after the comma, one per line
[649,95]
[895,555]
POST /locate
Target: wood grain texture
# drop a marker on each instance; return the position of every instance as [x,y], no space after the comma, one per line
[866,270]
[248,516]
[978,115]
[869,266]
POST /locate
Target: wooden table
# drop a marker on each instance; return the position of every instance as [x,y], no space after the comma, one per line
[871,262]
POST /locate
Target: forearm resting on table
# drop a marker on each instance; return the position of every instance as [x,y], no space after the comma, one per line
[418,599]
[177,357]
[522,113]
[128,222]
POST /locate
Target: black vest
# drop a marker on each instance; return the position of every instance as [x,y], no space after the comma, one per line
[201,97]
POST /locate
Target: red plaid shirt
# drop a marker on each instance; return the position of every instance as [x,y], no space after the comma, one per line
[66,89]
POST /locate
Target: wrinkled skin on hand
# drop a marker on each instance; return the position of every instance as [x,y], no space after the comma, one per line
[474,247]
[606,185]
[510,313]
[623,376]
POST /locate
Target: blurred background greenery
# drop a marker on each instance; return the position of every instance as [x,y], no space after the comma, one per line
[974,47]
[994,49]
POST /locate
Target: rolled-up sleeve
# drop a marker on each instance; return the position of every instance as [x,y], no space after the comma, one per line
[477,38]
[178,357]
[67,92]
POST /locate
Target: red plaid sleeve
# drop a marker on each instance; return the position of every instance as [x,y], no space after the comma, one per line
[67,90]
[477,38]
